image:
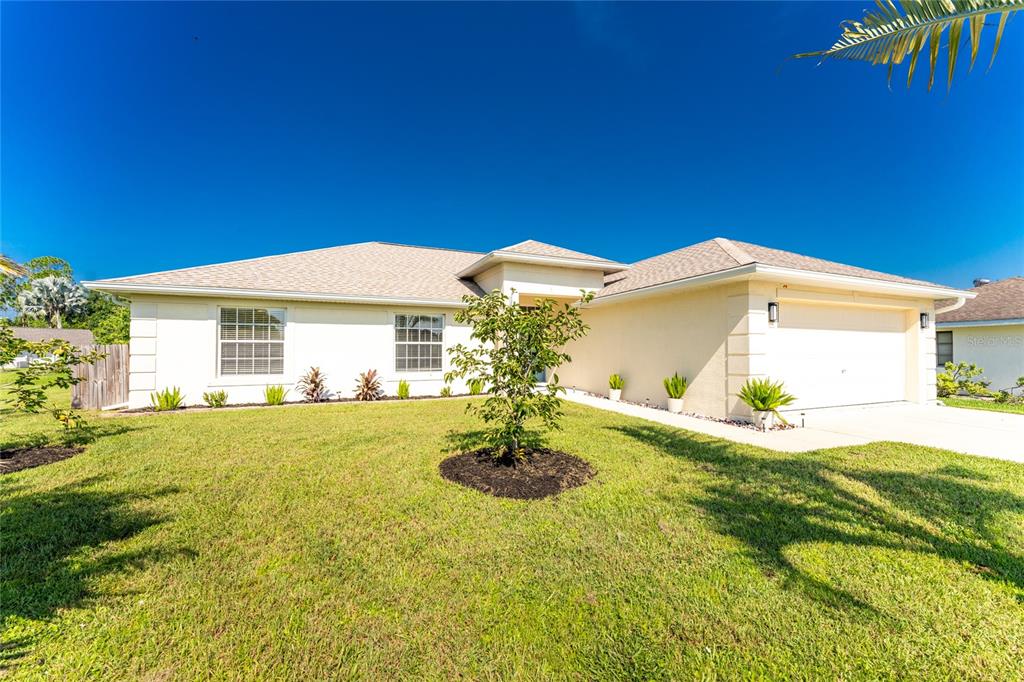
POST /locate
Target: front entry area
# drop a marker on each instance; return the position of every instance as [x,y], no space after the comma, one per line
[834,355]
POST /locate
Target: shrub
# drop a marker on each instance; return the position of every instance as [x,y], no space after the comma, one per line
[764,396]
[167,399]
[960,378]
[512,343]
[446,391]
[616,382]
[274,395]
[313,386]
[403,389]
[476,386]
[216,398]
[675,386]
[368,386]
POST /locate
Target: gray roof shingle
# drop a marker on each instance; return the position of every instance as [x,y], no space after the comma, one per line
[1001,300]
[76,337]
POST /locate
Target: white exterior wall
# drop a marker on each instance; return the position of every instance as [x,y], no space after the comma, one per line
[998,349]
[540,280]
[174,343]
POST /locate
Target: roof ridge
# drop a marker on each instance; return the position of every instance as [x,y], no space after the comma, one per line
[418,246]
[736,252]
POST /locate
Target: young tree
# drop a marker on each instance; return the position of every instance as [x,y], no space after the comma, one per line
[54,368]
[514,344]
[52,298]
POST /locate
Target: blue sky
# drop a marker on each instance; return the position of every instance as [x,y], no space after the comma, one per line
[141,136]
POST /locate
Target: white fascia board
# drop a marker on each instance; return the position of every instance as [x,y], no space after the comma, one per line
[980,323]
[771,272]
[166,290]
[496,257]
[859,283]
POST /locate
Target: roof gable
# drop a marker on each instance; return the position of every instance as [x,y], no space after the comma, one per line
[536,248]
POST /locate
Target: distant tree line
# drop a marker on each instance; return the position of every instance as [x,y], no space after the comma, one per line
[42,292]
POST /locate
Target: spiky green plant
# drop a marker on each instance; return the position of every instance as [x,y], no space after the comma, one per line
[216,398]
[616,382]
[900,30]
[675,386]
[764,395]
[476,386]
[403,389]
[167,399]
[446,391]
[274,395]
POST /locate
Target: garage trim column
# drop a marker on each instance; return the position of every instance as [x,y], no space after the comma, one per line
[746,343]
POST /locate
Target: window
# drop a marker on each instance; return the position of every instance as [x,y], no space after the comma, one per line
[943,348]
[418,343]
[251,341]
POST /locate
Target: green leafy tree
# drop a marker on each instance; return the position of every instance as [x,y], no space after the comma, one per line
[109,317]
[513,343]
[53,299]
[17,278]
[900,30]
[55,367]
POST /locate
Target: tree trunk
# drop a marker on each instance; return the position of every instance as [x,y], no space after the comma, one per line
[56,316]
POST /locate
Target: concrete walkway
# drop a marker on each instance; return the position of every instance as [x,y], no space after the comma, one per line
[973,432]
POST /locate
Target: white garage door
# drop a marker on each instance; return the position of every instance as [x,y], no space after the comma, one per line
[839,355]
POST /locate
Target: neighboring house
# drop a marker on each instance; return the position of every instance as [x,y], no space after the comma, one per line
[988,331]
[717,312]
[77,337]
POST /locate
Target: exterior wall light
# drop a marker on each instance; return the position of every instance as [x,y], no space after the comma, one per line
[924,320]
[773,312]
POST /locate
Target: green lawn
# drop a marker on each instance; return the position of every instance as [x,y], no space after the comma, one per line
[320,541]
[975,404]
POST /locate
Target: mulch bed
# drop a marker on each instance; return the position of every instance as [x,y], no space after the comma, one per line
[292,403]
[541,473]
[26,458]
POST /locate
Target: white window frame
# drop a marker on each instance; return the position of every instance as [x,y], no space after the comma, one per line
[282,314]
[397,341]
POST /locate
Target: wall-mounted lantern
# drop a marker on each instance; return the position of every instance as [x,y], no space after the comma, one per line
[773,312]
[924,320]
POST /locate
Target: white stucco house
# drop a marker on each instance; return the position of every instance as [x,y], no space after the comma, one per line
[717,312]
[988,331]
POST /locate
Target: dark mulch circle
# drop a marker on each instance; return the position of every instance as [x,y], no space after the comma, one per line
[26,458]
[541,473]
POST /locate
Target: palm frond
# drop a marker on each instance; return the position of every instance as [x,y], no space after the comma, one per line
[900,29]
[9,267]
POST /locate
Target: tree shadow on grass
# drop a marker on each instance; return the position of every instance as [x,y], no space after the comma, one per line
[772,502]
[50,540]
[466,441]
[86,435]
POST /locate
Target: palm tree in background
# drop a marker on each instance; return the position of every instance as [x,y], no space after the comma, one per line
[9,267]
[901,29]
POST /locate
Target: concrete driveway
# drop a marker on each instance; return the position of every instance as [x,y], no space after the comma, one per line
[974,432]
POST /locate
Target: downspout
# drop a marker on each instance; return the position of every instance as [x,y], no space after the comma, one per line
[959,303]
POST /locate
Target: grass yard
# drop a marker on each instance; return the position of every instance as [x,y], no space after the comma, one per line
[320,541]
[975,404]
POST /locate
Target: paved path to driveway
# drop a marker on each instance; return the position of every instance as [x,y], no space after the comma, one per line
[974,432]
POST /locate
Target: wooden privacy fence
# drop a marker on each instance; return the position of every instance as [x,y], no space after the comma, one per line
[105,382]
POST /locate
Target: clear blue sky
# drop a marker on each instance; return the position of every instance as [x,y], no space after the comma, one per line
[140,137]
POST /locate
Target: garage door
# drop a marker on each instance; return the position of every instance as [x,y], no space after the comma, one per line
[839,355]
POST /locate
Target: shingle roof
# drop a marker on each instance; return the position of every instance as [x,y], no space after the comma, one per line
[77,337]
[382,270]
[535,248]
[367,269]
[1002,300]
[716,255]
